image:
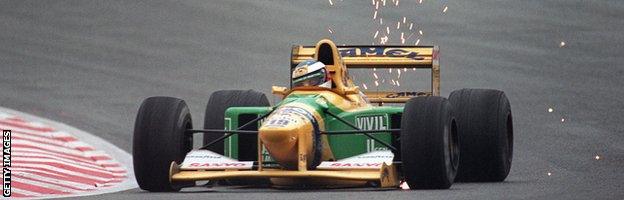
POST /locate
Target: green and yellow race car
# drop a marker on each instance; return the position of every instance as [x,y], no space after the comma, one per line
[326,132]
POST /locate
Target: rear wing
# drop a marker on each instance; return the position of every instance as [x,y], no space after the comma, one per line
[424,57]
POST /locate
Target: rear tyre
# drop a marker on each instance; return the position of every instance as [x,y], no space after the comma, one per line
[160,138]
[214,119]
[486,134]
[429,143]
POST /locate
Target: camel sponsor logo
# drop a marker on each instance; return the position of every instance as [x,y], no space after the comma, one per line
[379,52]
[403,94]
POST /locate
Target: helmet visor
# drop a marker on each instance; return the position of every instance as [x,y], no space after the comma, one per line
[312,79]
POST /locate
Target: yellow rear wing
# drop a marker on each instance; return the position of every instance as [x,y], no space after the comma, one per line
[425,57]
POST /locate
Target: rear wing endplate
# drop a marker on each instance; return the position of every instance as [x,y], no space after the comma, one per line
[423,57]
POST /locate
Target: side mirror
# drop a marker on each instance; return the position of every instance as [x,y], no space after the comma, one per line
[279,91]
[352,90]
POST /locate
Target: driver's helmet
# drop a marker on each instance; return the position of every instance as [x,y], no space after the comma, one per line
[311,73]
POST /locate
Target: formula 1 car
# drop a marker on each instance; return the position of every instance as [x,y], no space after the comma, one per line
[330,137]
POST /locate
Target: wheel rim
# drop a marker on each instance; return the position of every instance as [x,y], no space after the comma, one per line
[453,145]
[509,149]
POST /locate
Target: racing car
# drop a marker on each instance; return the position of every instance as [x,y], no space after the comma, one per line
[327,132]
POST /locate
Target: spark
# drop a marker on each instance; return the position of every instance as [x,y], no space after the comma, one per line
[393,82]
[376,83]
[375,15]
[383,39]
[398,25]
[562,44]
[562,120]
[417,41]
[404,185]
[373,1]
[404,18]
[404,69]
[364,86]
[374,69]
[396,3]
[375,75]
[420,32]
[398,84]
[549,173]
[420,1]
[445,8]
[550,110]
[390,70]
[399,72]
[411,25]
[384,3]
[330,30]
[388,30]
[414,69]
[376,33]
[597,157]
[402,38]
[380,21]
[331,3]
[377,6]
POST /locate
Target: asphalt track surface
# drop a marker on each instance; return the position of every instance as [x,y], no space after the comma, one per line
[89,64]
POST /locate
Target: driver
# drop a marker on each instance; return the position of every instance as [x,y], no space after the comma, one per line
[311,73]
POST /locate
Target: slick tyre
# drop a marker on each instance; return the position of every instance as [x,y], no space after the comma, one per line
[429,143]
[160,138]
[486,134]
[214,119]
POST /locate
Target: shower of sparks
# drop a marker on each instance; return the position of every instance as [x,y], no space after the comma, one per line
[331,3]
[562,44]
[597,157]
[445,8]
[550,110]
[364,86]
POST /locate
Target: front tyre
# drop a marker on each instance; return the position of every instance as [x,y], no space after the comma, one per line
[486,134]
[429,143]
[160,138]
